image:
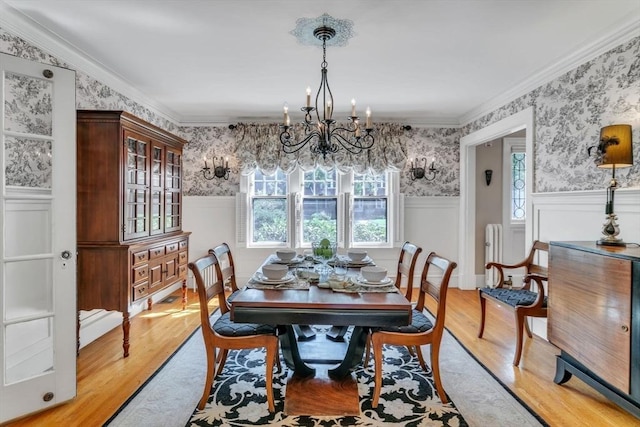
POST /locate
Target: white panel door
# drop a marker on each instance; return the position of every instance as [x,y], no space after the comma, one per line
[38,230]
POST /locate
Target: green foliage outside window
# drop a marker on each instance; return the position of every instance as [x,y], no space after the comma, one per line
[269,220]
[319,227]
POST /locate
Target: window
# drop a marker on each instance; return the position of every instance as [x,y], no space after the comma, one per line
[319,206]
[269,208]
[518,186]
[353,210]
[370,210]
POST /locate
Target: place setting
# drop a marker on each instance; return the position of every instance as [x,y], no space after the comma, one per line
[371,279]
[355,258]
[276,276]
[287,257]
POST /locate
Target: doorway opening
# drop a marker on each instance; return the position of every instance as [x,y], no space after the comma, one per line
[523,120]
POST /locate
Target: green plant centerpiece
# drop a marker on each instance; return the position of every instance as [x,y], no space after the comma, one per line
[323,251]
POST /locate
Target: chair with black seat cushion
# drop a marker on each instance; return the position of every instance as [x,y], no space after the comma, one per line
[225,334]
[226,269]
[422,330]
[406,267]
[525,301]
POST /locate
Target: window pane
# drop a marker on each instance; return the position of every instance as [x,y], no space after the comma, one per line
[270,185]
[269,219]
[319,219]
[320,183]
[370,185]
[370,220]
[518,186]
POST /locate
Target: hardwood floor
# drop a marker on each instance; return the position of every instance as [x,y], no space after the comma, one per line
[106,379]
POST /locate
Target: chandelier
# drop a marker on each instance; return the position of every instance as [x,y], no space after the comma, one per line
[325,135]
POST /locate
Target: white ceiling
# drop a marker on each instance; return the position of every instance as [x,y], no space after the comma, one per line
[420,62]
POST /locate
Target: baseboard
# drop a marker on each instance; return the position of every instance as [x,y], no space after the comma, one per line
[96,323]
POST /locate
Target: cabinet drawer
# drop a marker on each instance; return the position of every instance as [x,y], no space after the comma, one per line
[182,271]
[139,257]
[156,252]
[140,273]
[171,247]
[183,244]
[183,257]
[141,290]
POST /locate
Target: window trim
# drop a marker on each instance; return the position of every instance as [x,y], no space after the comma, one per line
[244,218]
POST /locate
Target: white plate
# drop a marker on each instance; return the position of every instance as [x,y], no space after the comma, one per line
[260,278]
[384,282]
[295,260]
[365,261]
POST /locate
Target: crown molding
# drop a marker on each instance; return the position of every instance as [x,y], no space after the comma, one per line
[51,43]
[628,29]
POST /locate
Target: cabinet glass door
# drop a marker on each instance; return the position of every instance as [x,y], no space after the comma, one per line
[173,191]
[157,184]
[136,208]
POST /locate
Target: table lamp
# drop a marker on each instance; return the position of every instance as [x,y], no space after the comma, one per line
[613,151]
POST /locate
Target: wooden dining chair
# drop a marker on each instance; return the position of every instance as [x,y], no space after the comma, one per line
[225,269]
[524,301]
[404,277]
[224,334]
[422,330]
[406,267]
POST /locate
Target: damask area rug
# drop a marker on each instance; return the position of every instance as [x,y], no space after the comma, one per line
[408,396]
[169,398]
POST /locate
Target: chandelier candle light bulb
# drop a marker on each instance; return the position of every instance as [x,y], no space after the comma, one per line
[368,118]
[353,108]
[308,96]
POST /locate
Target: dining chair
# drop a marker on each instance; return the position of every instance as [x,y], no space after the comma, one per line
[225,334]
[226,269]
[406,267]
[404,275]
[422,329]
[524,301]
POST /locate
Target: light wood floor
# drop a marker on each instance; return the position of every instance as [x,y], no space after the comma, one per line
[106,380]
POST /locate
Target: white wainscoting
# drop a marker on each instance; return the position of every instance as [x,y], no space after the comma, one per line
[579,216]
[430,222]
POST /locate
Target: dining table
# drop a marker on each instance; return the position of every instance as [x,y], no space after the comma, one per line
[302,299]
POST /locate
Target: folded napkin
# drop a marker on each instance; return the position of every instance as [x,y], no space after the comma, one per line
[353,288]
[297,285]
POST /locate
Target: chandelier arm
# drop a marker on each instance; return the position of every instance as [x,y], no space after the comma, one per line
[354,147]
[290,147]
[361,143]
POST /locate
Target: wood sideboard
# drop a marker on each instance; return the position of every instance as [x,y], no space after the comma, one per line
[594,318]
[129,209]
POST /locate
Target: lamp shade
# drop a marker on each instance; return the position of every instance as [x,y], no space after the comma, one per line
[615,147]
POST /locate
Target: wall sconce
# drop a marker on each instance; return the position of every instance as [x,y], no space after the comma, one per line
[614,150]
[219,171]
[487,176]
[418,172]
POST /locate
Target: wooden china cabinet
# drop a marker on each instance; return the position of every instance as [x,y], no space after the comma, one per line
[129,207]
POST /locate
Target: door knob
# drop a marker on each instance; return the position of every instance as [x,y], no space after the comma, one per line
[65,254]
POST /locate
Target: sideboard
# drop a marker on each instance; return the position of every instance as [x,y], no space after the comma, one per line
[594,309]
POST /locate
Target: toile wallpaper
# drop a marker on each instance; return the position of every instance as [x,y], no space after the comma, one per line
[569,112]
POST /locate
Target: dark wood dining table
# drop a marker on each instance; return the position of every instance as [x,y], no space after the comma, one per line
[320,306]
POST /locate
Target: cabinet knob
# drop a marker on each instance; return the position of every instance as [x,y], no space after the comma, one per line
[624,328]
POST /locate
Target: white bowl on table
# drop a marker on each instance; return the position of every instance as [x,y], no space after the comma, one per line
[356,255]
[373,273]
[274,271]
[286,254]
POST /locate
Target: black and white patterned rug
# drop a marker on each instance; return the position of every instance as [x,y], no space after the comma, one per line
[408,397]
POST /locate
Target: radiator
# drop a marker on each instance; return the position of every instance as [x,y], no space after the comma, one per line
[492,252]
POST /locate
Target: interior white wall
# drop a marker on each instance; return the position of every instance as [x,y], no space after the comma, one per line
[430,222]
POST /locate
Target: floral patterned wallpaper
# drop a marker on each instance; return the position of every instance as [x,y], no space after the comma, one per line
[569,112]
